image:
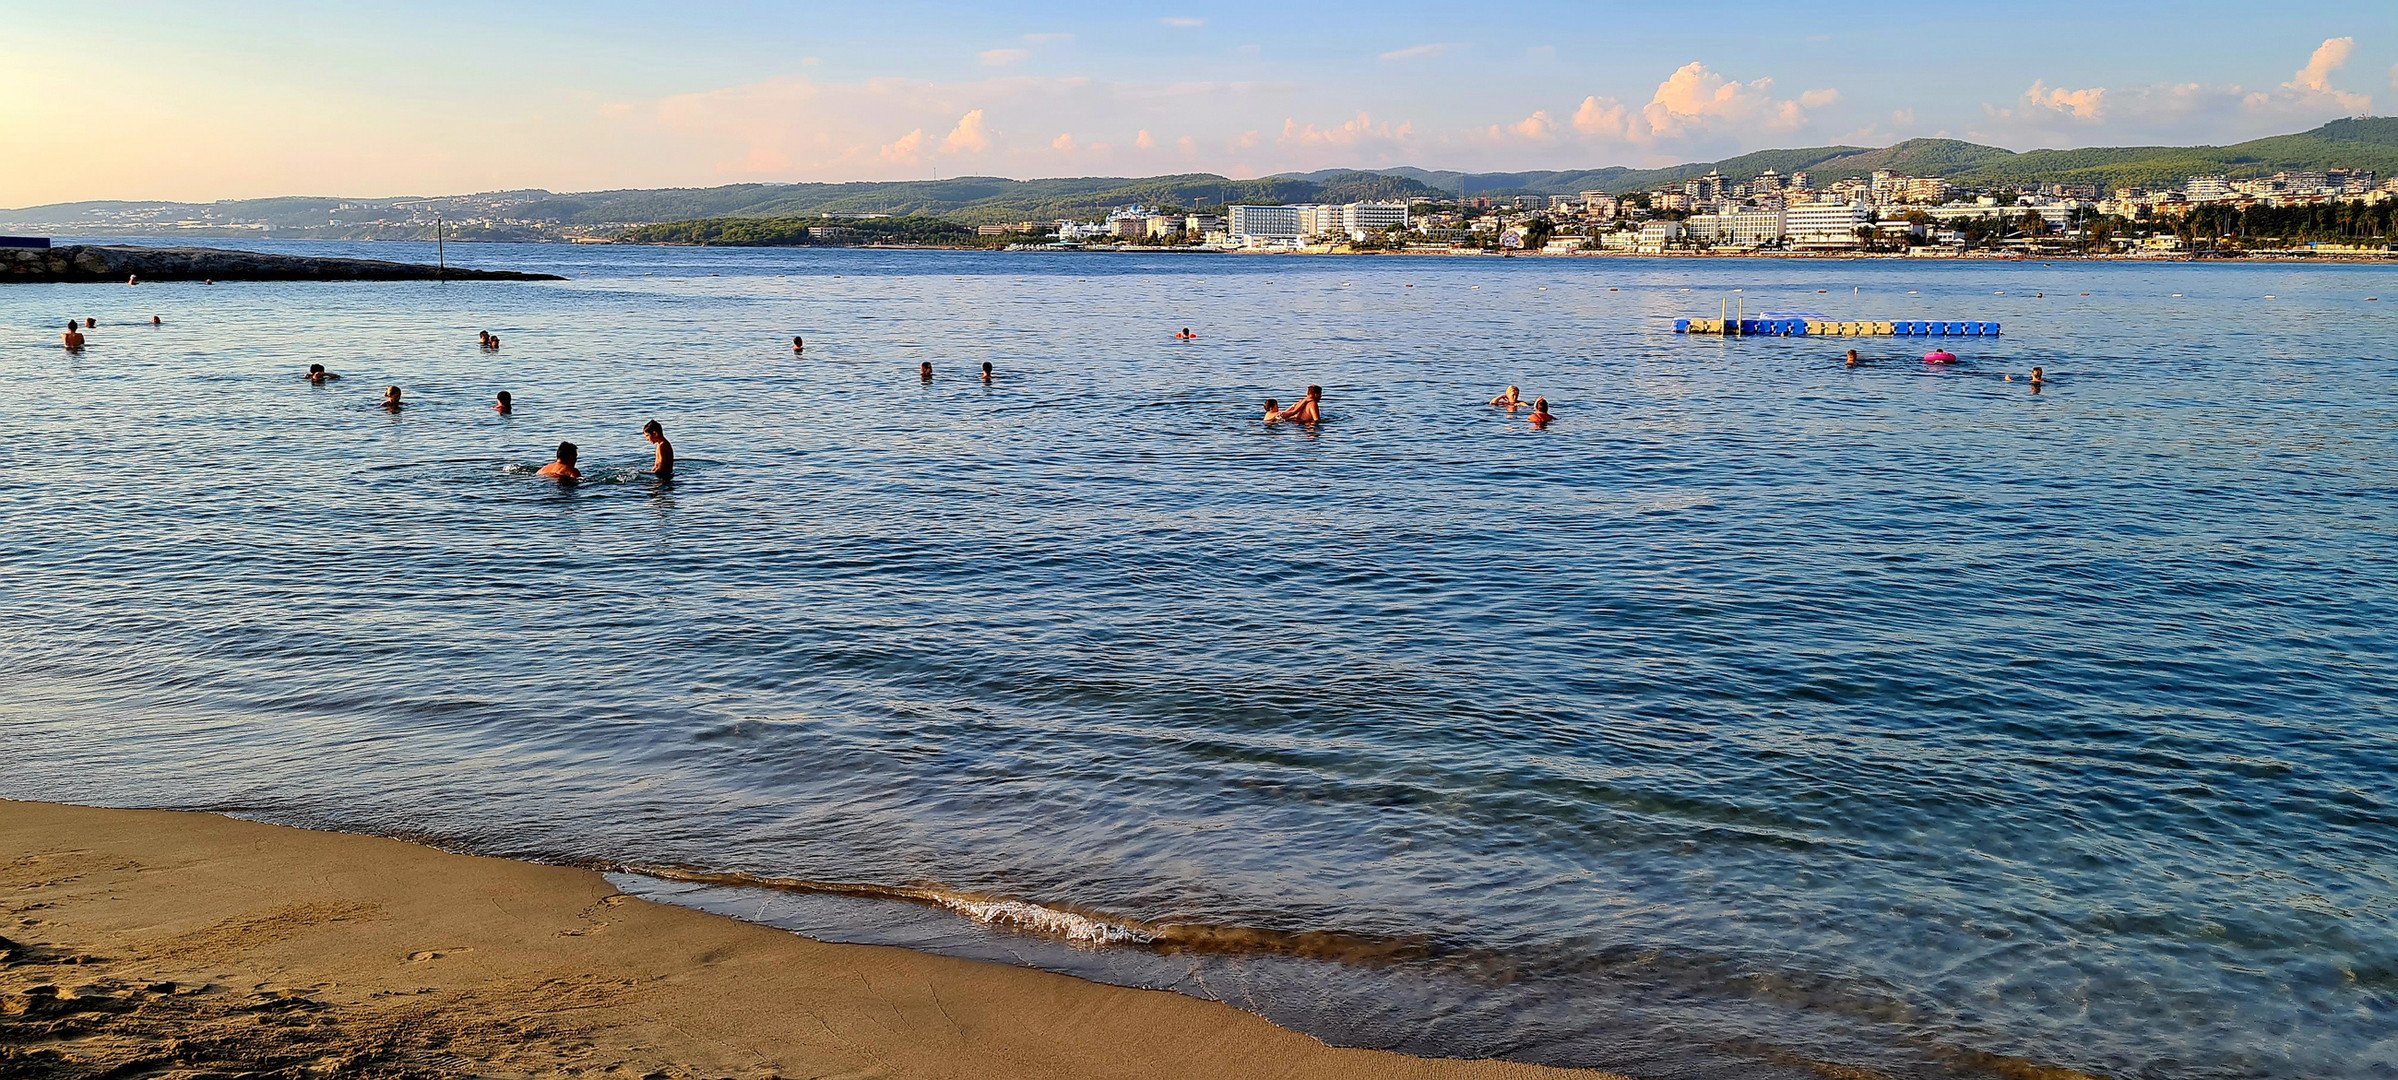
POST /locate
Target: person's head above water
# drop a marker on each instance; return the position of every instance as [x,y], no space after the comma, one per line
[926,369]
[1315,393]
[316,369]
[505,402]
[1852,358]
[1273,406]
[566,453]
[653,432]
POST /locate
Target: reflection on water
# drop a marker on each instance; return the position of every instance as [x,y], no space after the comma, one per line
[1761,711]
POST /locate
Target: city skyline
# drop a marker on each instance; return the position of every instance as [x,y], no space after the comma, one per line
[260,100]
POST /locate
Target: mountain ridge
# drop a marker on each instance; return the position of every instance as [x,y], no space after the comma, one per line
[2358,142]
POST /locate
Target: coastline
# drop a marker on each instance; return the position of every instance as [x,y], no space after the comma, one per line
[186,940]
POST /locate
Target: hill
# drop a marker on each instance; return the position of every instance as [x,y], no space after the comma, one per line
[2360,143]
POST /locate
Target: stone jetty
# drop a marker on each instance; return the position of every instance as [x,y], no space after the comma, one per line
[115,264]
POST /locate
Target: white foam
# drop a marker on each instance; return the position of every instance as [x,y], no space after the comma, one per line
[1036,918]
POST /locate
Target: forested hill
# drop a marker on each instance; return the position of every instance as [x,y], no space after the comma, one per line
[2360,143]
[2363,143]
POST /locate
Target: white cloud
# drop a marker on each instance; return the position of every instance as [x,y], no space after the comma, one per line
[2176,112]
[904,150]
[1063,144]
[1695,104]
[1359,133]
[967,137]
[1182,22]
[1417,52]
[1003,57]
[1143,140]
[1533,128]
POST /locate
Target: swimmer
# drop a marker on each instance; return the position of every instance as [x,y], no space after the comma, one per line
[563,469]
[483,338]
[505,405]
[131,280]
[1273,410]
[661,466]
[391,399]
[986,371]
[493,344]
[88,323]
[154,321]
[798,346]
[2039,378]
[318,375]
[1186,335]
[1512,400]
[1540,412]
[1309,409]
[926,371]
[72,339]
[1852,358]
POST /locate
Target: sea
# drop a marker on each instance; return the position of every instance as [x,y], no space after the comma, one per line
[1760,716]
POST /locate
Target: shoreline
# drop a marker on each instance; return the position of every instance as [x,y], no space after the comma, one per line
[190,940]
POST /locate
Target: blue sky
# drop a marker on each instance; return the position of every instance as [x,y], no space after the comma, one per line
[222,100]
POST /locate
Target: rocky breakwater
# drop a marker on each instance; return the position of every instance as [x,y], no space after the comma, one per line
[96,263]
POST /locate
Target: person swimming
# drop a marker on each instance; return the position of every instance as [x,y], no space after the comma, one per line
[505,405]
[1852,358]
[1540,412]
[72,339]
[1512,400]
[662,465]
[391,399]
[986,371]
[926,371]
[89,322]
[1187,335]
[798,346]
[1273,410]
[1309,409]
[2039,378]
[318,375]
[154,321]
[562,470]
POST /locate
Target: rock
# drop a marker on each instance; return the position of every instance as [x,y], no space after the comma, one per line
[94,263]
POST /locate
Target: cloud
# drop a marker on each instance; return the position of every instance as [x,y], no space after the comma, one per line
[1063,144]
[1360,132]
[967,137]
[1187,145]
[1902,119]
[1182,22]
[1004,57]
[904,150]
[2176,112]
[2315,77]
[1533,128]
[1143,140]
[1695,104]
[1416,52]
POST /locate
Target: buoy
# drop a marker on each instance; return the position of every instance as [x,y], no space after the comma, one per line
[1940,356]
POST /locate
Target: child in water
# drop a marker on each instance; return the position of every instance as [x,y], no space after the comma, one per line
[1512,400]
[505,405]
[662,465]
[926,371]
[1540,413]
[798,346]
[986,371]
[563,469]
[318,375]
[1273,410]
[391,399]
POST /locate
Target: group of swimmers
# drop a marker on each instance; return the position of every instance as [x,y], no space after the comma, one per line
[925,370]
[1513,399]
[73,338]
[563,469]
[2039,377]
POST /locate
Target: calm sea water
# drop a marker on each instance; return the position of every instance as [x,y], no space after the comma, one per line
[1760,712]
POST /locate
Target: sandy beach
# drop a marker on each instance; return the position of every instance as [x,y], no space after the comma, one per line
[169,943]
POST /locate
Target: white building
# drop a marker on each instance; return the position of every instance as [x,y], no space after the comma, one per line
[1823,224]
[1263,222]
[1656,235]
[1748,226]
[2204,188]
[1365,218]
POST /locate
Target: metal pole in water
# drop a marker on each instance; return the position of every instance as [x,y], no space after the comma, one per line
[441,254]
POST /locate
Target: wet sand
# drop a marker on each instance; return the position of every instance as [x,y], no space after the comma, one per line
[167,943]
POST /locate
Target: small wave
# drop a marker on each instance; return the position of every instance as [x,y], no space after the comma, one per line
[1080,927]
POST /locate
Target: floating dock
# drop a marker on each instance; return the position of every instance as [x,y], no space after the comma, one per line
[1817,328]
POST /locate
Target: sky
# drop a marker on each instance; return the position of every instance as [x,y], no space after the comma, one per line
[199,100]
